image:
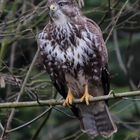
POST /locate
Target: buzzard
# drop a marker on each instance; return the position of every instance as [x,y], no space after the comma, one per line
[75,56]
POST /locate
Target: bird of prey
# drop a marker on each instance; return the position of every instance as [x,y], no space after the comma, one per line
[75,56]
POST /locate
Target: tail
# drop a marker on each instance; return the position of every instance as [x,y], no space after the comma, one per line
[96,120]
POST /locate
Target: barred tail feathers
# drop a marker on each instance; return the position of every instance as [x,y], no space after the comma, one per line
[96,120]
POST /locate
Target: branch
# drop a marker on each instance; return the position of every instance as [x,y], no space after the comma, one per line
[22,89]
[28,123]
[53,102]
[116,20]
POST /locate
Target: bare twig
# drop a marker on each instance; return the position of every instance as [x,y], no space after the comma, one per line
[38,130]
[118,54]
[28,123]
[35,136]
[73,136]
[12,58]
[116,20]
[66,114]
[60,102]
[27,75]
[22,89]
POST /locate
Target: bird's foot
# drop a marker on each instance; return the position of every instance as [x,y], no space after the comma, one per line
[86,97]
[69,98]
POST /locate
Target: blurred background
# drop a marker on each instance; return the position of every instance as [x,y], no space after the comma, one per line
[20,22]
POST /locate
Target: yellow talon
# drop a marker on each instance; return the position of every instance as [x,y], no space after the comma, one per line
[69,98]
[86,96]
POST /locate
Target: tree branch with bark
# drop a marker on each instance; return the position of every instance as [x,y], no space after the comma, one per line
[53,102]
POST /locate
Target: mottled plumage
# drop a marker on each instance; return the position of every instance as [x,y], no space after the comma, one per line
[75,55]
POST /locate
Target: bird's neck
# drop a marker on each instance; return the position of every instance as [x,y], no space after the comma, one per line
[62,26]
[61,21]
[67,30]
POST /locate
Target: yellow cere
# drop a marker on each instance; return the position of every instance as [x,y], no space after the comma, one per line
[53,7]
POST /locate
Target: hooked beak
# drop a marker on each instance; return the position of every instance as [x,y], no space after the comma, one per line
[53,9]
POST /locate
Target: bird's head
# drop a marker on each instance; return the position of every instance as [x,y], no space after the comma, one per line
[62,11]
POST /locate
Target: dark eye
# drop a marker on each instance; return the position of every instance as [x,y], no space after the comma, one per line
[62,3]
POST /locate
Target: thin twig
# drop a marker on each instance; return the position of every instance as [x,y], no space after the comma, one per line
[38,130]
[22,89]
[53,102]
[66,114]
[35,136]
[72,136]
[30,122]
[1,127]
[117,18]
